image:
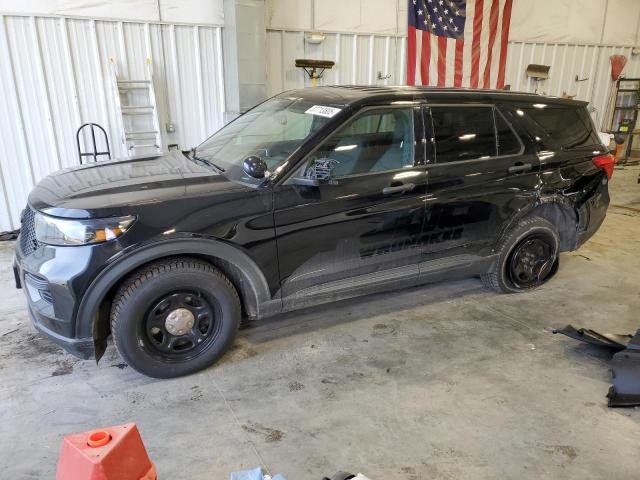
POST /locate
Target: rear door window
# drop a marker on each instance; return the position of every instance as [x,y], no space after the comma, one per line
[570,126]
[469,132]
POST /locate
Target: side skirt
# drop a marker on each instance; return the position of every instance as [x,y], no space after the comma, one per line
[447,268]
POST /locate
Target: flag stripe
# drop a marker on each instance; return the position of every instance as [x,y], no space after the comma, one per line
[493,26]
[504,43]
[411,56]
[457,79]
[475,48]
[442,60]
[468,46]
[433,64]
[451,62]
[425,57]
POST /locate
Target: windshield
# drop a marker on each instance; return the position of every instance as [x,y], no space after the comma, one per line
[271,131]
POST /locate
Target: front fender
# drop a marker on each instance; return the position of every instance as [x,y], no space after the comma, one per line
[254,287]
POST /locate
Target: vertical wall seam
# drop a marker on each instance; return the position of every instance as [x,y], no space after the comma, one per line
[354,60]
[124,60]
[20,120]
[176,80]
[71,72]
[337,58]
[101,77]
[200,87]
[370,62]
[387,50]
[562,64]
[220,69]
[52,139]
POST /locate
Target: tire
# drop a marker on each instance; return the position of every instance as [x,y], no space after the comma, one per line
[174,317]
[530,235]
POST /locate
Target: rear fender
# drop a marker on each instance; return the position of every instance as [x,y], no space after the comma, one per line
[558,209]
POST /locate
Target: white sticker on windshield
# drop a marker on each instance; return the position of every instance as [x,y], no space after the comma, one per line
[323,111]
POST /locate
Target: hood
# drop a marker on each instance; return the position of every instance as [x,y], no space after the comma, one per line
[118,186]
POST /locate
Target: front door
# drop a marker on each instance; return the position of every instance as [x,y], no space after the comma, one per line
[362,227]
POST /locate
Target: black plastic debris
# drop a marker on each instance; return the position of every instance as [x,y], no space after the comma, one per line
[340,476]
[625,364]
[608,340]
[625,391]
[11,235]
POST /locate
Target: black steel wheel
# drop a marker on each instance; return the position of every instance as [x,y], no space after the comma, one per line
[531,261]
[182,324]
[174,317]
[528,256]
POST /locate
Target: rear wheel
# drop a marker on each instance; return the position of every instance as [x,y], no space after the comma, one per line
[174,317]
[528,257]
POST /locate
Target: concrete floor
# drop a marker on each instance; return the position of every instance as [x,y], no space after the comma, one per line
[440,382]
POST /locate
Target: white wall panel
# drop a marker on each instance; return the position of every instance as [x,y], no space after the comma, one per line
[578,21]
[55,74]
[383,17]
[622,22]
[201,12]
[608,22]
[283,14]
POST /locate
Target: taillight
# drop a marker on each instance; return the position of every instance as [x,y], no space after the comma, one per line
[605,162]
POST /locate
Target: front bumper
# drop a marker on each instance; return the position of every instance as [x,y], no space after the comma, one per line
[83,348]
[48,319]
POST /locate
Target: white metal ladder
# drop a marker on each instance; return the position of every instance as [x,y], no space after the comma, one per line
[138,112]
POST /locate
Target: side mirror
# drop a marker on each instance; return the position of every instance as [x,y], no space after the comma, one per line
[254,166]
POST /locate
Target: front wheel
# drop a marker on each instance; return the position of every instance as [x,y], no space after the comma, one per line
[528,257]
[174,317]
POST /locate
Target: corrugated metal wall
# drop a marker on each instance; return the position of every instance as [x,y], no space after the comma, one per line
[590,63]
[359,58]
[55,75]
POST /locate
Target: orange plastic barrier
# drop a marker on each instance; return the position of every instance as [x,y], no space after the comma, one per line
[113,453]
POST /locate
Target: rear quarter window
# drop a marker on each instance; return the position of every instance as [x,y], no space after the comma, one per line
[569,126]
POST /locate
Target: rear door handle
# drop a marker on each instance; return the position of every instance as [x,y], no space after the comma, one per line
[519,167]
[405,187]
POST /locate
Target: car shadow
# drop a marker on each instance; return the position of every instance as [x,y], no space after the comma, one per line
[350,310]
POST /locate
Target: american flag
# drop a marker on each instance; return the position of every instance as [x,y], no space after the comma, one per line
[458,43]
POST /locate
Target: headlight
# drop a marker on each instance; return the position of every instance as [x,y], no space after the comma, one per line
[67,231]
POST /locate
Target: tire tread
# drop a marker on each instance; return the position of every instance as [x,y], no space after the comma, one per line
[491,279]
[146,273]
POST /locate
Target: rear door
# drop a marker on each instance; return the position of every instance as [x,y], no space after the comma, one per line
[480,175]
[362,228]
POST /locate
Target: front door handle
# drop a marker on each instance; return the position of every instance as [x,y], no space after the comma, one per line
[405,187]
[520,167]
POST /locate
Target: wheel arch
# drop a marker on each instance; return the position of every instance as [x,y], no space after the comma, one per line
[557,210]
[242,271]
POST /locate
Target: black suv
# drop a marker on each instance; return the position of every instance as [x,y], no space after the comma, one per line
[313,196]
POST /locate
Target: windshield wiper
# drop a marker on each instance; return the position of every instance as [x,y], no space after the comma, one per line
[206,162]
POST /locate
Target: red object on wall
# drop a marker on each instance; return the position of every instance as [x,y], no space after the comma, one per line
[112,453]
[617,64]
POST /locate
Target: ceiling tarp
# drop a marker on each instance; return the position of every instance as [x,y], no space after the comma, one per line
[203,12]
[576,21]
